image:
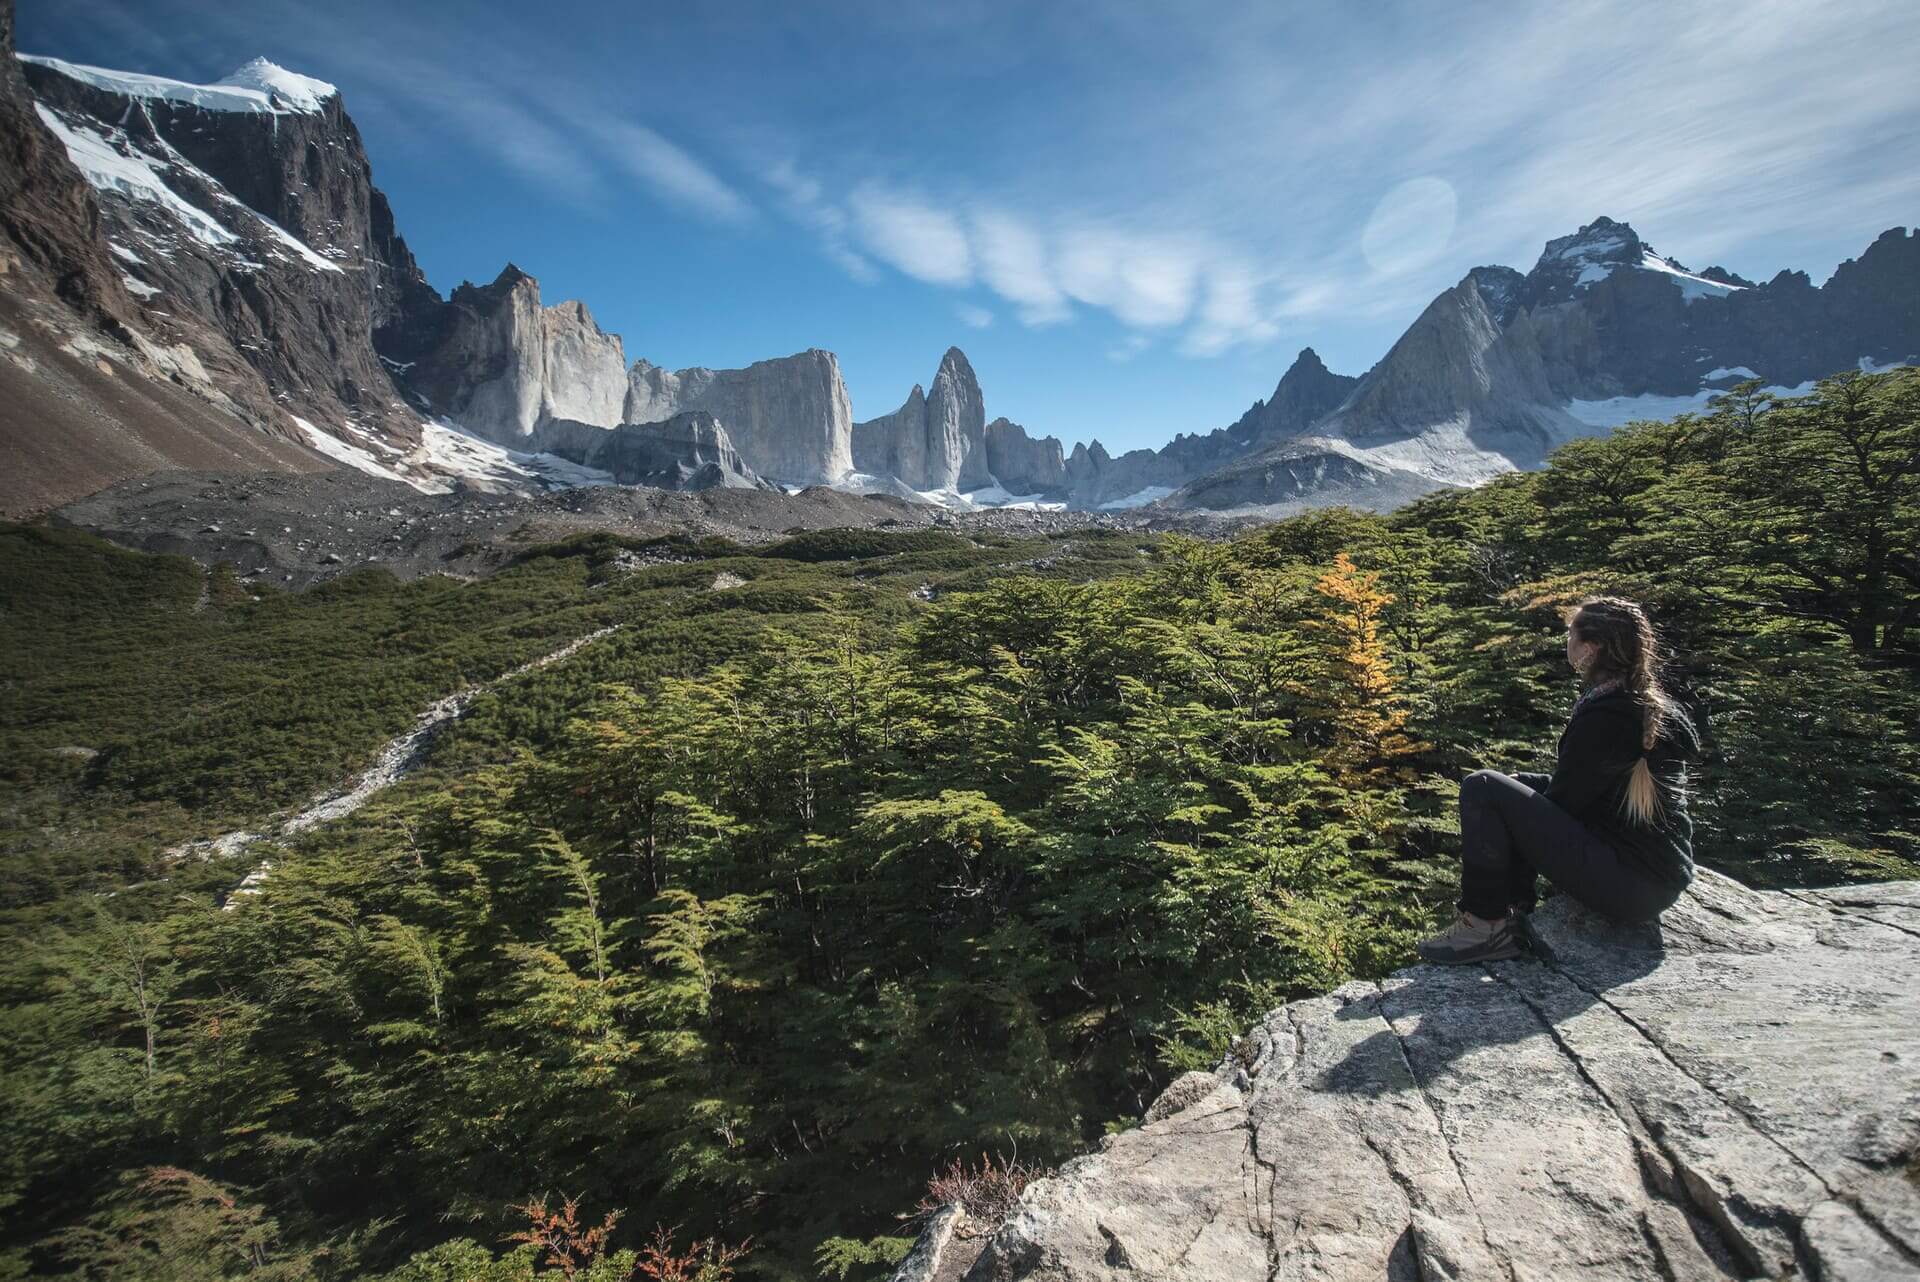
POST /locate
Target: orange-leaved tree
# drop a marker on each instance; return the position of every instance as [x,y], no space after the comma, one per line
[1354,697]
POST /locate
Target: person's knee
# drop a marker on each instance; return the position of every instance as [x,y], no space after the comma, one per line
[1481,783]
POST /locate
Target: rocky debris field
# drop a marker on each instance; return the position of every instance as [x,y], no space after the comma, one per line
[296,530]
[1734,1093]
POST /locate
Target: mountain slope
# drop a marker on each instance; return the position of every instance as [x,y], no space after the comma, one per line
[92,390]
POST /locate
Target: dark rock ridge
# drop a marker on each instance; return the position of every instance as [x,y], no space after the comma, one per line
[935,441]
[1733,1093]
[689,451]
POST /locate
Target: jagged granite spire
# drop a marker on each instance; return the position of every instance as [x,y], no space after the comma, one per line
[937,440]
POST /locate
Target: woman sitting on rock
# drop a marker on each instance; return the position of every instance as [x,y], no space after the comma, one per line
[1609,826]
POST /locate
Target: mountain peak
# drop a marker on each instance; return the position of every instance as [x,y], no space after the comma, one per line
[286,89]
[1600,243]
[258,87]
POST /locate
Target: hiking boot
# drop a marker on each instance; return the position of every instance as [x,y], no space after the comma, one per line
[1522,927]
[1471,939]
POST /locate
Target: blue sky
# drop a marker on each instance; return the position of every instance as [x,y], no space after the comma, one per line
[1130,216]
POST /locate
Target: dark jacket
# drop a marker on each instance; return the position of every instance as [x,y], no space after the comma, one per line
[1598,750]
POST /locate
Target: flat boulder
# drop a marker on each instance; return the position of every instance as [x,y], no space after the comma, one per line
[1732,1093]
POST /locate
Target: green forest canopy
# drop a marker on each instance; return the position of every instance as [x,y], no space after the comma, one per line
[753,914]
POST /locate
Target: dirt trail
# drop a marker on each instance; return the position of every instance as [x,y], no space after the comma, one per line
[398,759]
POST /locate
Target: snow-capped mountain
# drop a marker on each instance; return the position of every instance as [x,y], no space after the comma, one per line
[1573,264]
[1503,367]
[205,276]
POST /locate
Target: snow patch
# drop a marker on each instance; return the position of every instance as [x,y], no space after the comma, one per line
[110,162]
[1692,287]
[449,449]
[132,175]
[126,255]
[138,288]
[1581,251]
[281,234]
[1615,411]
[1139,498]
[353,456]
[1736,371]
[282,88]
[995,495]
[1870,366]
[259,87]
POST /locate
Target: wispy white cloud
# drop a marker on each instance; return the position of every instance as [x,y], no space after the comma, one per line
[1014,263]
[1146,282]
[973,316]
[1128,348]
[918,237]
[805,201]
[1340,165]
[1231,312]
[668,170]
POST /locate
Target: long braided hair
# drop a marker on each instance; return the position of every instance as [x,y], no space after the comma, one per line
[1627,653]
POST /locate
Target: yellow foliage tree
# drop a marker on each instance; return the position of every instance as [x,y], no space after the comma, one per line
[1355,697]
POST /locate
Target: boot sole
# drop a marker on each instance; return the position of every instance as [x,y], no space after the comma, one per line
[1506,950]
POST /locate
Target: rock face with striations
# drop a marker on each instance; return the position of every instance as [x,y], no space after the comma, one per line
[1733,1093]
[498,363]
[937,440]
[789,418]
[1022,464]
[222,258]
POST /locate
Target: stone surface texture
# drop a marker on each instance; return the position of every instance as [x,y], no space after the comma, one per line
[789,418]
[502,364]
[1732,1093]
[937,440]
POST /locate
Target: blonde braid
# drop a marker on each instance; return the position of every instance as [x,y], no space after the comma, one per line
[1627,650]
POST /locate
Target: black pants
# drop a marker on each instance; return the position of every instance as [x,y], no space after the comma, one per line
[1511,834]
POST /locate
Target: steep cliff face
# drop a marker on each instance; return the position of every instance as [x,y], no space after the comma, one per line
[48,214]
[498,363]
[1022,464]
[243,216]
[789,418]
[937,440]
[1729,1094]
[152,318]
